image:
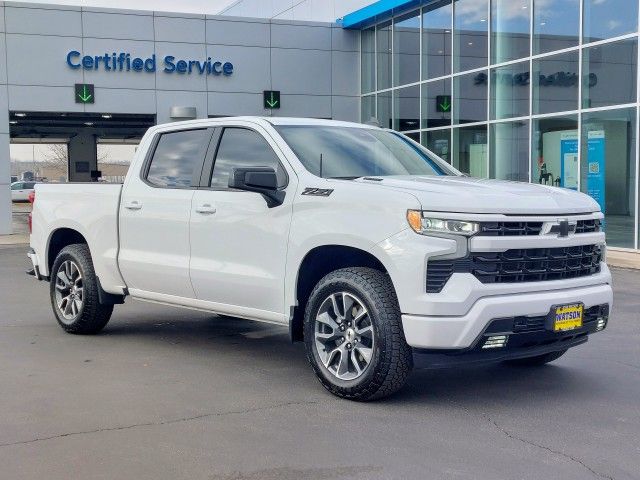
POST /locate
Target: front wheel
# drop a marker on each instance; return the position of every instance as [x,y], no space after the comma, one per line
[74,292]
[354,337]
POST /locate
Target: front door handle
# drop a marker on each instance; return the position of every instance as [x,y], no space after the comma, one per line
[133,205]
[205,209]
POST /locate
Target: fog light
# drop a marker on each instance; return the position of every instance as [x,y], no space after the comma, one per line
[496,341]
[602,322]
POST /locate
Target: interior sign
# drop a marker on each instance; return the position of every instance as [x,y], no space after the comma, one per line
[125,62]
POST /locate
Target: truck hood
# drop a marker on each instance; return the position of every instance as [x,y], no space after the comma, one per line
[476,195]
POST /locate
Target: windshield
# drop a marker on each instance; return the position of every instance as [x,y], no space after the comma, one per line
[351,152]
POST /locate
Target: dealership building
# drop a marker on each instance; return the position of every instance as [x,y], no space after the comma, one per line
[542,91]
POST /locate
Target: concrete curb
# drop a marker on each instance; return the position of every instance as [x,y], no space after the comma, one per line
[14,239]
[623,259]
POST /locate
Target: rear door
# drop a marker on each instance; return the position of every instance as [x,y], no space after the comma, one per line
[238,243]
[155,210]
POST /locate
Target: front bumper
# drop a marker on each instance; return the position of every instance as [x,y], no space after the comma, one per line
[463,332]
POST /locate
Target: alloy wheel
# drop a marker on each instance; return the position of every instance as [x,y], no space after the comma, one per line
[69,291]
[344,336]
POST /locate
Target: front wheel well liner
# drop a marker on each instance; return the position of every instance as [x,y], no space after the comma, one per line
[317,263]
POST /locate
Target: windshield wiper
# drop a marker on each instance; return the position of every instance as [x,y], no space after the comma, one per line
[343,178]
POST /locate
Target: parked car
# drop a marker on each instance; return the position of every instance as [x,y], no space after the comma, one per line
[20,191]
[366,245]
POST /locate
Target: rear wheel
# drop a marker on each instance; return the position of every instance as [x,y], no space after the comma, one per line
[353,335]
[74,292]
[537,360]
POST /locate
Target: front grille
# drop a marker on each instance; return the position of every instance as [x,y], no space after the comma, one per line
[588,226]
[510,229]
[518,229]
[518,265]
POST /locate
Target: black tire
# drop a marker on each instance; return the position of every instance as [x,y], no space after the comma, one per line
[537,360]
[92,316]
[391,360]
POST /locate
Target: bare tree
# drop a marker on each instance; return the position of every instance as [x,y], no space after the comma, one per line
[56,157]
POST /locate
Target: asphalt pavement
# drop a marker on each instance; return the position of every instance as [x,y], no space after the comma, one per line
[165,393]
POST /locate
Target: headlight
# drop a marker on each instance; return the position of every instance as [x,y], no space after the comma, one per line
[427,225]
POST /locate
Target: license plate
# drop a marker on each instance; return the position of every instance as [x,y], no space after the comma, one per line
[567,317]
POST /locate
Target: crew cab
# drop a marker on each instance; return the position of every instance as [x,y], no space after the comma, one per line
[369,247]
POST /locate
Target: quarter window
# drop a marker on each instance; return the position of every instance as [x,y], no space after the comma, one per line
[175,157]
[241,147]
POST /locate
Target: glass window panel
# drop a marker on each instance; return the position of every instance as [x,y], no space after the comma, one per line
[241,147]
[509,151]
[436,103]
[556,25]
[436,39]
[368,62]
[470,97]
[510,91]
[439,142]
[608,170]
[368,106]
[554,151]
[609,18]
[509,30]
[383,45]
[470,34]
[406,45]
[470,150]
[175,157]
[384,110]
[609,74]
[555,84]
[407,108]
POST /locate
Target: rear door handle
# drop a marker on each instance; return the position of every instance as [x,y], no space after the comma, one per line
[205,209]
[133,205]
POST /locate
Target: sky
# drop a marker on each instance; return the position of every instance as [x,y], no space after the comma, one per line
[182,6]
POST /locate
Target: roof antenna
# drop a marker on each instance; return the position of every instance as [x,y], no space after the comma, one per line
[321,166]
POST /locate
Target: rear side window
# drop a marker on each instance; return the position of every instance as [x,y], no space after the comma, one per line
[240,147]
[175,157]
[29,185]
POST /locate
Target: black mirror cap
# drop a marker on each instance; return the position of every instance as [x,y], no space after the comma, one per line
[262,180]
[255,177]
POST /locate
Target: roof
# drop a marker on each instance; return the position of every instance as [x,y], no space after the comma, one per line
[378,11]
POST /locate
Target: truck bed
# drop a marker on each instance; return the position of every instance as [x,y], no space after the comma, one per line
[89,208]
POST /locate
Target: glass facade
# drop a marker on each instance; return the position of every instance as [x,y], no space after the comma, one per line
[542,91]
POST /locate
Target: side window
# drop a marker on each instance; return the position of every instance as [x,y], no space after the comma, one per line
[29,185]
[17,186]
[175,157]
[240,147]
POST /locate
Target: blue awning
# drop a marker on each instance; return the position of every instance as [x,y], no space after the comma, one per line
[377,12]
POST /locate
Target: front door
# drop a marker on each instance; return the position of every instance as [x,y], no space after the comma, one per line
[238,243]
[155,210]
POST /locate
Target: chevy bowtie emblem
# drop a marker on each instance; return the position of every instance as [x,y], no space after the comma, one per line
[564,228]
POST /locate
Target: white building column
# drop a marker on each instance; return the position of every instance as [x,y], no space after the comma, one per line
[5,160]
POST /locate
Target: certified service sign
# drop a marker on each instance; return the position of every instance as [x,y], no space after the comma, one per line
[126,62]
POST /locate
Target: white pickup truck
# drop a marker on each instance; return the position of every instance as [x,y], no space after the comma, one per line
[366,245]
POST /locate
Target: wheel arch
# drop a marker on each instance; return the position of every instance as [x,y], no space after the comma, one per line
[60,238]
[318,262]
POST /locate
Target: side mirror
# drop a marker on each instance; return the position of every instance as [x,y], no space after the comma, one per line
[260,180]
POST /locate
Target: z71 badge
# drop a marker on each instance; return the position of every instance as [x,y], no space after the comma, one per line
[317,192]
